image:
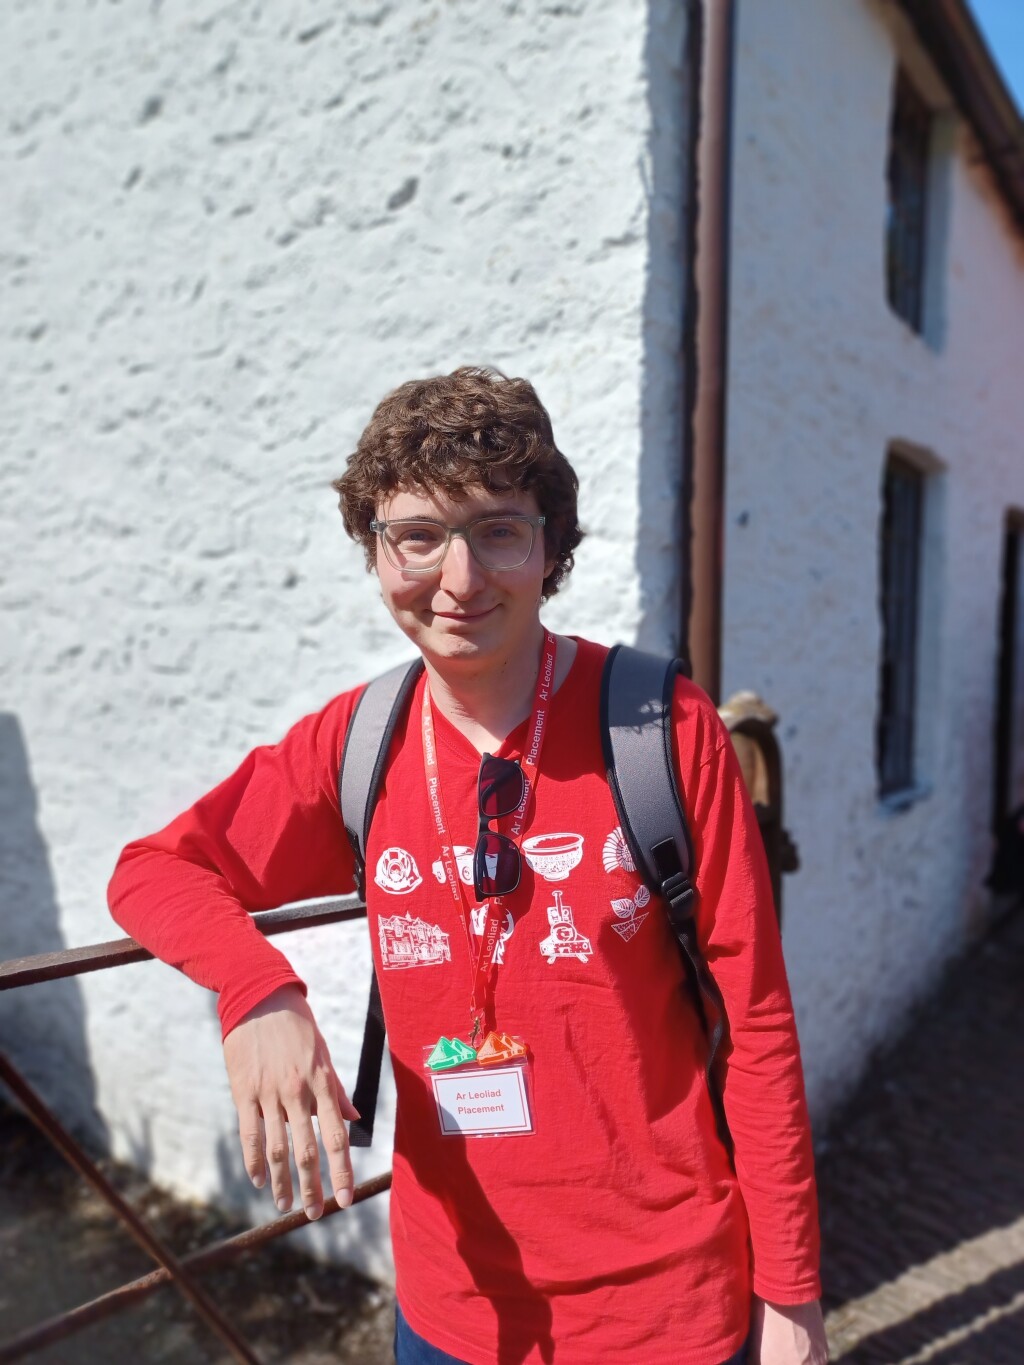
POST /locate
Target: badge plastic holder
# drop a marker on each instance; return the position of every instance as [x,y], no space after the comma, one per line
[481,1092]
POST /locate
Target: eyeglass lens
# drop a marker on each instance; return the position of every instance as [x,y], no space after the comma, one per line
[500,785]
[497,542]
[497,864]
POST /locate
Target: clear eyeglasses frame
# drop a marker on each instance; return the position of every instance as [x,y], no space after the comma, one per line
[419,544]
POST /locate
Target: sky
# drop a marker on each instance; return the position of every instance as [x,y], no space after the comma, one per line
[1002,23]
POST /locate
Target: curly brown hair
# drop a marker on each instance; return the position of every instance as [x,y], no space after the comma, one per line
[476,428]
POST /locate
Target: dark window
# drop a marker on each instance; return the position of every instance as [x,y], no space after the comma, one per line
[909,140]
[1010,676]
[903,499]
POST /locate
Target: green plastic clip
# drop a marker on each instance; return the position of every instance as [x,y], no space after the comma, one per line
[449,1052]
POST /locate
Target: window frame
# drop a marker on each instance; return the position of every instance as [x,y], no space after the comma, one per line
[901,549]
[908,201]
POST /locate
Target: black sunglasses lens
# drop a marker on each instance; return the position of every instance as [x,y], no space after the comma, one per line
[500,787]
[496,866]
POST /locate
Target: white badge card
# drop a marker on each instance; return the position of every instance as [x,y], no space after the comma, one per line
[484,1101]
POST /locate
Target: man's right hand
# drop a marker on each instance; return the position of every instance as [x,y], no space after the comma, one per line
[280,1072]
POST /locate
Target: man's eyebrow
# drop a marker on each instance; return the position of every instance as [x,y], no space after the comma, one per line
[502,509]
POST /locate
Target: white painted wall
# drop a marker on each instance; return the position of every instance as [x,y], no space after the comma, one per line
[225,231]
[823,377]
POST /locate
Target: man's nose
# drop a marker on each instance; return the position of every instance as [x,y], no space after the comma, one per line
[461,575]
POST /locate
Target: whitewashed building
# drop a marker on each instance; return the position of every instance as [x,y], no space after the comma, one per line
[228,229]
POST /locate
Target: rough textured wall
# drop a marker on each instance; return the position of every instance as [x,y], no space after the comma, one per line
[227,230]
[823,378]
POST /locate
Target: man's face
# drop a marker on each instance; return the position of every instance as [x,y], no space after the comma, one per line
[462,613]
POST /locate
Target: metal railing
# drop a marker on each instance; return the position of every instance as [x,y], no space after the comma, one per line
[182,1272]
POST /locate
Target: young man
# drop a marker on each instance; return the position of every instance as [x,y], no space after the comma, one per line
[573,1202]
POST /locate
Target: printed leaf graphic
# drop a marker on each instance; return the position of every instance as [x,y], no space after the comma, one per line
[624,908]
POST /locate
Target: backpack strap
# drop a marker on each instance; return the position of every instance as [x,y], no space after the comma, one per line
[636,732]
[367,741]
[370,731]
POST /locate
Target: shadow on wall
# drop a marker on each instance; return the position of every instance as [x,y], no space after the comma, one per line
[42,1028]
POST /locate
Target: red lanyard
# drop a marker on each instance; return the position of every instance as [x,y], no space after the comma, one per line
[481,999]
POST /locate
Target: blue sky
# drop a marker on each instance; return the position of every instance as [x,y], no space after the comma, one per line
[1002,23]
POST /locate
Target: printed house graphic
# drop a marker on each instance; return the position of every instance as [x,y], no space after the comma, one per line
[408,942]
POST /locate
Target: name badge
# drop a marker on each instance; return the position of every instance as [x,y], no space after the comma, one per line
[484,1102]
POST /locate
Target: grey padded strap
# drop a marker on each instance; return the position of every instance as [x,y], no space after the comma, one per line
[636,716]
[367,742]
[366,750]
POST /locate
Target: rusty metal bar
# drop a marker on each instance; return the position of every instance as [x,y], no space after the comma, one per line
[714,157]
[52,1129]
[126,1295]
[27,971]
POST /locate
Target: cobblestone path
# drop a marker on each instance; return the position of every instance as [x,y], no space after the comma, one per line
[922,1180]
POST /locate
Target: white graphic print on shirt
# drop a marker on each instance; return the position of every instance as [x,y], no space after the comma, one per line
[565,940]
[616,852]
[463,861]
[397,872]
[625,907]
[553,856]
[616,855]
[408,942]
[478,918]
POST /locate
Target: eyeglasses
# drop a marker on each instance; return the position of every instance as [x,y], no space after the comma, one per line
[418,545]
[497,864]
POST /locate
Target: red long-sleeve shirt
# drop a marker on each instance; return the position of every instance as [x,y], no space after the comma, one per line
[618,1229]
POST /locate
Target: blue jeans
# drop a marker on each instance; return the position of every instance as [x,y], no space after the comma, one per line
[411,1349]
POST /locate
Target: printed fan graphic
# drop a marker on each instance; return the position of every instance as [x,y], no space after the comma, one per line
[616,854]
[625,908]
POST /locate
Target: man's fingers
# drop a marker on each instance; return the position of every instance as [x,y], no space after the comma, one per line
[307,1159]
[348,1109]
[331,1118]
[250,1134]
[278,1153]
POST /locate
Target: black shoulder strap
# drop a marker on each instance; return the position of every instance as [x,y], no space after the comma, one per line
[367,742]
[636,731]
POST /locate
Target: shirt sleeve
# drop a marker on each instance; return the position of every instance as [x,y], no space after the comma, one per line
[269,835]
[762,1077]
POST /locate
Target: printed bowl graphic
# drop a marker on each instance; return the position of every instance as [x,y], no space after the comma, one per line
[553,856]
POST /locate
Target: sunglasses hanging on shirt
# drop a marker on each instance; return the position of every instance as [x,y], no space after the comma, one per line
[497,862]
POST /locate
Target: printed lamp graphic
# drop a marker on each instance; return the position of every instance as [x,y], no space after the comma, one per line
[499,1047]
[449,1052]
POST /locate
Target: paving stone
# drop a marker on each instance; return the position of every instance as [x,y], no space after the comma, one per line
[922,1181]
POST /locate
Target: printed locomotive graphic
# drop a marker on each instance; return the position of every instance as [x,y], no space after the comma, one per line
[565,940]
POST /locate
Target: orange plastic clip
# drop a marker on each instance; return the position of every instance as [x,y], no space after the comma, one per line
[499,1047]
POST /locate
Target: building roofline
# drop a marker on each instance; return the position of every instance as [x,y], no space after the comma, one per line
[948,32]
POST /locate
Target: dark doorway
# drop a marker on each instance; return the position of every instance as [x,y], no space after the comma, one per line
[1009,730]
